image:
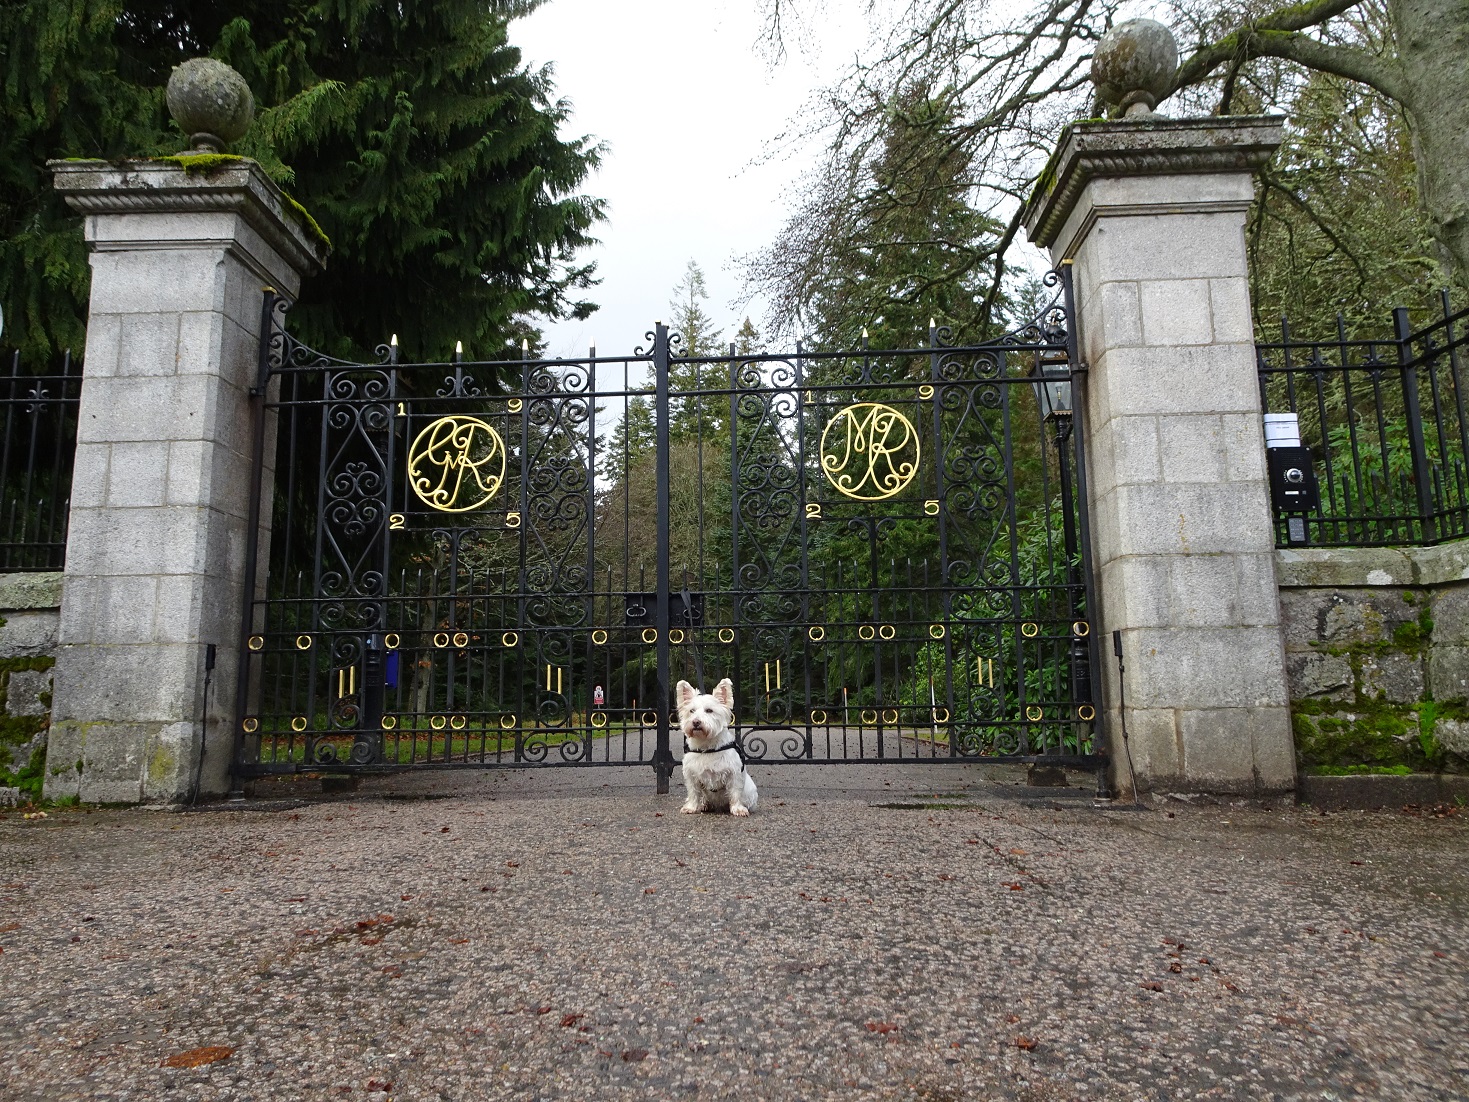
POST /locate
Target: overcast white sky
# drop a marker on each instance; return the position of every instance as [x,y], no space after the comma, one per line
[687,107]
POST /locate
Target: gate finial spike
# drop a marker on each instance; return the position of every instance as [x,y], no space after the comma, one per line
[932,324]
[458,348]
[393,340]
[525,344]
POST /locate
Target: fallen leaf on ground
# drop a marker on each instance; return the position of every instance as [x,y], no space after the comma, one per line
[1026,1043]
[882,1027]
[569,1020]
[1151,986]
[198,1057]
[633,1055]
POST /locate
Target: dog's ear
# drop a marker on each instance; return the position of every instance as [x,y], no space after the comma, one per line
[685,694]
[724,693]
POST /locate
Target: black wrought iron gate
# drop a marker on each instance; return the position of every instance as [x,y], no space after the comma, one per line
[512,563]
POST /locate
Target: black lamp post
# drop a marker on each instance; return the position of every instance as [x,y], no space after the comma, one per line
[1051,378]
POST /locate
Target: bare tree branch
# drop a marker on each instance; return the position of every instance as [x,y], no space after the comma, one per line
[1279,35]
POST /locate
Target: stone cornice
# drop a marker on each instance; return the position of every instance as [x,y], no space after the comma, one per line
[1144,147]
[233,186]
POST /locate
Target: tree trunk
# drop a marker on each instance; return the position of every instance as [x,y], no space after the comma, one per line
[1433,47]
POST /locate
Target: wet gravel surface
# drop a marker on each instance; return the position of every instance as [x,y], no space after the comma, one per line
[570,935]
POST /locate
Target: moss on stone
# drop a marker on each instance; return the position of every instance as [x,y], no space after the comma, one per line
[311,225]
[29,778]
[199,164]
[17,731]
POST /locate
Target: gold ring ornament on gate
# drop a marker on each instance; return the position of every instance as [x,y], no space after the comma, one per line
[890,715]
[438,723]
[650,719]
[675,635]
[457,723]
[298,724]
[869,715]
[599,720]
[391,640]
[936,631]
[816,633]
[887,631]
[1081,629]
[869,452]
[456,464]
[941,715]
[507,722]
[866,633]
[389,722]
[510,638]
[257,642]
[599,637]
[818,716]
[726,635]
[303,642]
[250,726]
[441,639]
[1030,630]
[1034,713]
[650,635]
[461,639]
[1086,713]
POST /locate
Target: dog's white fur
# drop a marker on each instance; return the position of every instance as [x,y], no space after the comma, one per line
[716,782]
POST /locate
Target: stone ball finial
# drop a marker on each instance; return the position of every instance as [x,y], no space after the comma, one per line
[1133,65]
[210,102]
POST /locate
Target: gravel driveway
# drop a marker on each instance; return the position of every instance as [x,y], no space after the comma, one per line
[911,933]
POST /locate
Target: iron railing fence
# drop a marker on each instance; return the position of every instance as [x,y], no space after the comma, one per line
[37,451]
[1386,423]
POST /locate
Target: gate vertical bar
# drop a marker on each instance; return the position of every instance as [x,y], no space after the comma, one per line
[1422,477]
[252,533]
[662,752]
[946,597]
[1083,518]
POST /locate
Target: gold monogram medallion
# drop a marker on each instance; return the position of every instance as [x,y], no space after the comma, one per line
[869,451]
[456,464]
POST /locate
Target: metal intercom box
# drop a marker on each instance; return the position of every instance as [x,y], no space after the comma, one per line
[1293,487]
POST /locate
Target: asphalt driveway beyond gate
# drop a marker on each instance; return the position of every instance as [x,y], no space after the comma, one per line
[915,933]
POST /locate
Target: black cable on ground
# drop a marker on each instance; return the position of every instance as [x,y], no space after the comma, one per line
[1122,713]
[210,653]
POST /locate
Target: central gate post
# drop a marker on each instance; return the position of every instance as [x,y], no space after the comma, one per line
[1151,214]
[662,753]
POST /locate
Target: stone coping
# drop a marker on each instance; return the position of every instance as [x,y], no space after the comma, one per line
[235,185]
[1324,567]
[32,590]
[1154,146]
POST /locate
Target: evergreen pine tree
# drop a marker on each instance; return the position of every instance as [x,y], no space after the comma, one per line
[411,131]
[696,415]
[911,246]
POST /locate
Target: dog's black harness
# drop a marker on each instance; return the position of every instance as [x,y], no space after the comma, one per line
[735,746]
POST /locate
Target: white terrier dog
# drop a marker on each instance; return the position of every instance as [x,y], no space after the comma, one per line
[713,770]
